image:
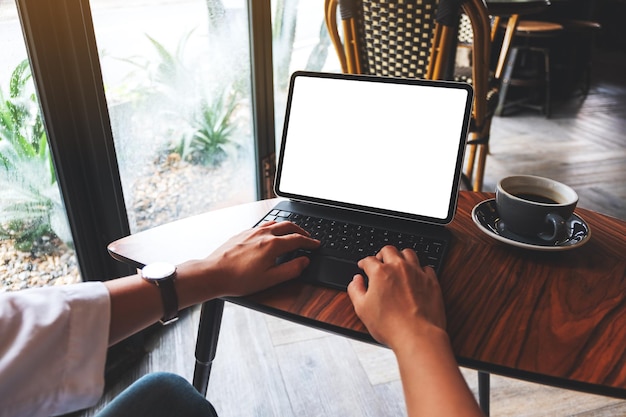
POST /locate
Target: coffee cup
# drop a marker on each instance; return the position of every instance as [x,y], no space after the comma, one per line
[535,206]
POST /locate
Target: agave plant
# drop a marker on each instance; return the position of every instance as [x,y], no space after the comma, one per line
[211,130]
[30,206]
[208,120]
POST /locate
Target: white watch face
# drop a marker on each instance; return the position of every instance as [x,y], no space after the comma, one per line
[158,270]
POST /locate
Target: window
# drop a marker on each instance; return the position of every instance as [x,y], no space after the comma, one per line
[103,143]
[36,245]
[177,82]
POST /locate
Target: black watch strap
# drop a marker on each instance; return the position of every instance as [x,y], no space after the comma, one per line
[170,300]
[163,275]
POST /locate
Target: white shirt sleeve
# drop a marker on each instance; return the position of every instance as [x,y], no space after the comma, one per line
[53,344]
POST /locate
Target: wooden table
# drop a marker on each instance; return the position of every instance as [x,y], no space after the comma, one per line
[556,318]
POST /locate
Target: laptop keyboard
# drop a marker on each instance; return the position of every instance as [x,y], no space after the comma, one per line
[354,242]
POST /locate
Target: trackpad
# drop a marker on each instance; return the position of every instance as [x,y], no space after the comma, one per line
[332,272]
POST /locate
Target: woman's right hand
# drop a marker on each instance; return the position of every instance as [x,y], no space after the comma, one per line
[401,298]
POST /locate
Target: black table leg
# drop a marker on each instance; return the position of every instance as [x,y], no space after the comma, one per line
[206,344]
[483,391]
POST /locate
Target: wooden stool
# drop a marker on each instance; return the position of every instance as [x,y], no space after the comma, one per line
[532,37]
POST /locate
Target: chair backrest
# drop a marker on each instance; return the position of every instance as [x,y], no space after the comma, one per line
[395,37]
[416,38]
[410,38]
[384,38]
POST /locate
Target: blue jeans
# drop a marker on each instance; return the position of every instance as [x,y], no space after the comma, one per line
[159,395]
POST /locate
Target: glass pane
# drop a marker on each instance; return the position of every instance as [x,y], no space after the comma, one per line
[177,80]
[35,239]
[300,42]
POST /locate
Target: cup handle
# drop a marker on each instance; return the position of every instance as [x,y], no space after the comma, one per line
[559,228]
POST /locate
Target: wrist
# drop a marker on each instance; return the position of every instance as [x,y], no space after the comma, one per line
[195,284]
[419,337]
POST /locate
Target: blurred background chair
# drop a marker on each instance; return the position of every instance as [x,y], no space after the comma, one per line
[529,67]
[551,56]
[418,39]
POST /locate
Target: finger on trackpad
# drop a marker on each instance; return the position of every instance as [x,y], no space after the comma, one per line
[332,272]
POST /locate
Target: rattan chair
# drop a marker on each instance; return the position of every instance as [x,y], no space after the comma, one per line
[417,39]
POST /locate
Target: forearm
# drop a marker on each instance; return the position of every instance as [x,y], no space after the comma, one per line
[244,264]
[432,382]
[136,304]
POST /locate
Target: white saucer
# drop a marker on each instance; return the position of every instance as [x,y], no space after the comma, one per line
[486,217]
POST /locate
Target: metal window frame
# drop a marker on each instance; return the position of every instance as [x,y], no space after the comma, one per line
[66,70]
[261,59]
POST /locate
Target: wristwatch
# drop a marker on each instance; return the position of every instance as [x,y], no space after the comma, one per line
[163,274]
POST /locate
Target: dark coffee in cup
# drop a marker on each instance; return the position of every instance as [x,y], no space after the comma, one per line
[535,206]
[536,198]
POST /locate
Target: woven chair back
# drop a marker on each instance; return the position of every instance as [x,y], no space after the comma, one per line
[396,37]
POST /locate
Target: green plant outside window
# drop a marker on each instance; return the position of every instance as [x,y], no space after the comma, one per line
[31,206]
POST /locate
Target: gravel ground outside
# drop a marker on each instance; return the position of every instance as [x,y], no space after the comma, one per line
[191,190]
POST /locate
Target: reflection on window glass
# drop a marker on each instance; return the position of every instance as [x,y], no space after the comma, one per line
[35,240]
[300,42]
[177,81]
